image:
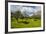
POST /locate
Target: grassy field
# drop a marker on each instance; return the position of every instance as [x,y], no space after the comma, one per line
[31,23]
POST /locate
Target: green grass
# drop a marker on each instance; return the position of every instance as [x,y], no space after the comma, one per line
[31,23]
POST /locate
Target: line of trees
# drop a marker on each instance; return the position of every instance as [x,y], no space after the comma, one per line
[18,14]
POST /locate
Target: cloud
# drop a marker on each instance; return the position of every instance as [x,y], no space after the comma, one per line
[28,10]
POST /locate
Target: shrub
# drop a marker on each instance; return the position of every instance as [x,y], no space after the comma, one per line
[25,22]
[35,20]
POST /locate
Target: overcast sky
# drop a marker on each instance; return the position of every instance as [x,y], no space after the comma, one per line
[28,9]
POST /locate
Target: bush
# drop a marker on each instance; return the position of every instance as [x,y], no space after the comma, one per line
[35,20]
[22,18]
[25,22]
[30,18]
[36,17]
